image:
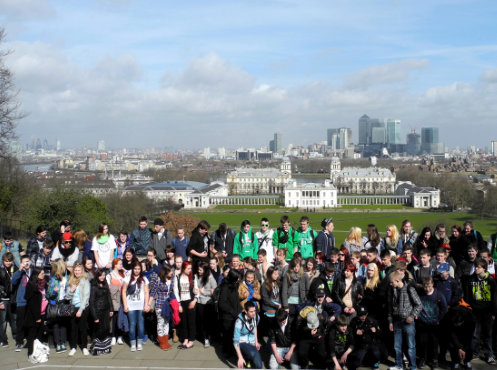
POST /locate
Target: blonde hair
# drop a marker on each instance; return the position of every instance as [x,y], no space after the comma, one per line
[79,239]
[58,268]
[72,279]
[395,236]
[355,235]
[373,282]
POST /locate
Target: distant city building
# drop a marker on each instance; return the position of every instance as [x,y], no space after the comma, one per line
[276,145]
[430,143]
[494,148]
[101,145]
[421,197]
[413,146]
[393,131]
[259,180]
[356,180]
[310,195]
[378,135]
[364,130]
[339,138]
[58,146]
[253,155]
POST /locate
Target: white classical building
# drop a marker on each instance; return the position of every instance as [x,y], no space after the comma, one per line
[245,181]
[356,180]
[421,196]
[310,195]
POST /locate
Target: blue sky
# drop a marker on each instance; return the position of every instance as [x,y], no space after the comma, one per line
[230,73]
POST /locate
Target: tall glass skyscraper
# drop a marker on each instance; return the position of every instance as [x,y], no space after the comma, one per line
[393,131]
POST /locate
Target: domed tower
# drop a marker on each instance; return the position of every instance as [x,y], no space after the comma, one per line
[286,166]
[335,168]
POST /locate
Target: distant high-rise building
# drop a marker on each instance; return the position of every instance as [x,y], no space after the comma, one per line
[271,146]
[339,138]
[413,143]
[430,143]
[393,131]
[278,146]
[364,130]
[494,148]
[57,145]
[101,145]
[378,135]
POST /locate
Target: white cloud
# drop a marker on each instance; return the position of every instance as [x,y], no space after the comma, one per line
[24,9]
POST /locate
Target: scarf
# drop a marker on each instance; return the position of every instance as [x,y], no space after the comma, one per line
[42,284]
[251,291]
[103,239]
[66,252]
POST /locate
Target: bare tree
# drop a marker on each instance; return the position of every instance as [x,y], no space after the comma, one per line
[9,107]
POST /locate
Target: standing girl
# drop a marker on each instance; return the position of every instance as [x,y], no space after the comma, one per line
[186,293]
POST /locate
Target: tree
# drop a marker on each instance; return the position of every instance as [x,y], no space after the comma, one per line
[9,107]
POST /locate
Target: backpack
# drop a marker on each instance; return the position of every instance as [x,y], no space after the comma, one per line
[240,238]
[241,317]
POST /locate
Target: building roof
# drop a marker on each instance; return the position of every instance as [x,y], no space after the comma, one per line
[365,172]
[168,185]
[257,172]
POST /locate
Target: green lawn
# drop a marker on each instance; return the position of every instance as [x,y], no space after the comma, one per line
[345,220]
[229,206]
[376,207]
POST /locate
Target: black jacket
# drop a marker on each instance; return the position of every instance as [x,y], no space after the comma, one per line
[356,290]
[197,243]
[229,302]
[6,290]
[33,306]
[100,300]
[367,337]
[321,282]
[222,244]
[283,339]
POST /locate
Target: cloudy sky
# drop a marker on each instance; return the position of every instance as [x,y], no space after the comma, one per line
[191,74]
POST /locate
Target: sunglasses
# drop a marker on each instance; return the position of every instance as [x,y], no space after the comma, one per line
[66,242]
[264,224]
[341,254]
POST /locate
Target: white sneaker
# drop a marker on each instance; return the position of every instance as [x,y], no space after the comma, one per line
[120,340]
[72,352]
[86,352]
[207,344]
[133,348]
[139,347]
[113,341]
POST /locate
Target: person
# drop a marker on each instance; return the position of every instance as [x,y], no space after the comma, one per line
[151,265]
[440,235]
[425,268]
[371,299]
[425,240]
[265,240]
[470,235]
[229,309]
[407,235]
[460,322]
[326,311]
[325,281]
[64,226]
[311,269]
[222,241]
[103,245]
[245,243]
[7,314]
[170,253]
[9,245]
[42,259]
[408,256]
[56,292]
[162,292]
[83,244]
[392,241]
[19,282]
[35,244]
[245,337]
[466,267]
[205,306]
[66,251]
[270,294]
[89,268]
[325,241]
[353,241]
[441,257]
[311,333]
[198,247]
[372,239]
[457,244]
[141,238]
[280,263]
[135,296]
[249,289]
[262,264]
[404,306]
[294,288]
[428,322]
[283,341]
[122,243]
[304,241]
[340,343]
[36,304]
[186,292]
[101,309]
[479,291]
[367,337]
[129,260]
[161,239]
[180,243]
[348,291]
[78,293]
[283,237]
[115,281]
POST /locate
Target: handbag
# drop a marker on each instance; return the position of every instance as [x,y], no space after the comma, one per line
[66,309]
[101,346]
[51,312]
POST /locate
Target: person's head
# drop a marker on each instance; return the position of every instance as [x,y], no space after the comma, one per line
[372,270]
[213,263]
[67,240]
[186,268]
[425,257]
[142,222]
[249,263]
[117,264]
[329,270]
[245,227]
[78,271]
[129,254]
[103,229]
[178,262]
[8,259]
[371,254]
[440,230]
[136,269]
[294,265]
[280,255]
[281,316]
[203,227]
[80,238]
[406,226]
[456,231]
[407,254]
[285,222]
[25,262]
[249,277]
[343,254]
[333,255]
[298,256]
[8,238]
[372,232]
[233,276]
[226,270]
[427,284]
[264,224]
[481,266]
[123,236]
[441,255]
[468,227]
[355,258]
[180,233]
[87,263]
[235,261]
[349,270]
[310,265]
[362,313]
[320,257]
[41,232]
[158,224]
[386,258]
[392,232]
[304,223]
[37,274]
[250,309]
[261,255]
[485,254]
[170,251]
[48,246]
[342,323]
[472,251]
[101,275]
[425,233]
[58,268]
[327,225]
[400,266]
[166,273]
[151,254]
[396,279]
[354,235]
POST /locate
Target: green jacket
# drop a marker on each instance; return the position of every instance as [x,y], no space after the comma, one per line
[304,242]
[246,244]
[280,243]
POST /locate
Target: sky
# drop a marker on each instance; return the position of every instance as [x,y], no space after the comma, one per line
[195,74]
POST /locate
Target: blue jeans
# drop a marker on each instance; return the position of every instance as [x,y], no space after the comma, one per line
[400,328]
[250,353]
[136,318]
[282,351]
[6,315]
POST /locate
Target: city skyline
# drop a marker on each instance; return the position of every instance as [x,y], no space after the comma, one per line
[228,73]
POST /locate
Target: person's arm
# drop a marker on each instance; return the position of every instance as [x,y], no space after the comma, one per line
[147,297]
[236,343]
[296,242]
[124,298]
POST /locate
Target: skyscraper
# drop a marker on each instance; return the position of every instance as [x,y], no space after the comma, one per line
[413,143]
[430,143]
[275,145]
[339,138]
[364,130]
[393,131]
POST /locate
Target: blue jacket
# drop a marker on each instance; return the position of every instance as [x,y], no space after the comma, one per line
[140,241]
[20,281]
[242,332]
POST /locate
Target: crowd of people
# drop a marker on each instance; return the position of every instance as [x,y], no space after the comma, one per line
[295,296]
